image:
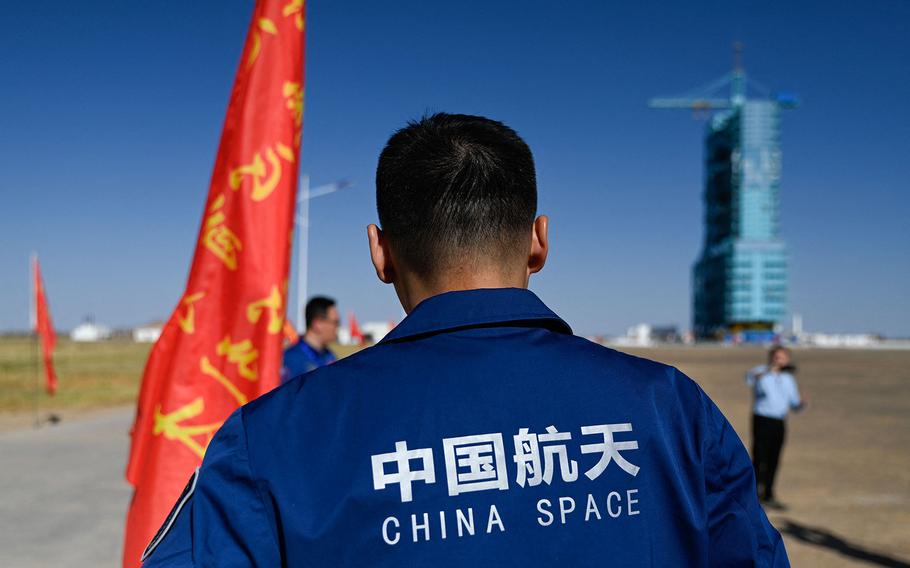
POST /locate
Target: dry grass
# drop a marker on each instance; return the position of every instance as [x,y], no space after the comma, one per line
[91,375]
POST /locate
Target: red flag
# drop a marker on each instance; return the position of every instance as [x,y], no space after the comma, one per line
[356,335]
[290,334]
[222,345]
[44,327]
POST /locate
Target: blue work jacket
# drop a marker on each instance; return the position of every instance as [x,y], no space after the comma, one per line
[302,358]
[479,432]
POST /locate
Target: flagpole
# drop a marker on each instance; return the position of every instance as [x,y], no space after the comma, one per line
[35,356]
[303,229]
[33,334]
[303,238]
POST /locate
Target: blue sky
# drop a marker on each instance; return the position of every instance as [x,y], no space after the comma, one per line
[110,114]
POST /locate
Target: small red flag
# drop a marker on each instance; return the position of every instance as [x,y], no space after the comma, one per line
[222,345]
[291,336]
[356,335]
[44,327]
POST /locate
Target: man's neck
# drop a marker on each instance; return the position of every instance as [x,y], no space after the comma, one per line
[412,290]
[313,341]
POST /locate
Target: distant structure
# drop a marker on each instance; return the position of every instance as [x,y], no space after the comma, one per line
[374,331]
[89,332]
[148,333]
[740,278]
[646,335]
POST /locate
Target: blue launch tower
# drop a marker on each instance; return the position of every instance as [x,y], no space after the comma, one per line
[740,278]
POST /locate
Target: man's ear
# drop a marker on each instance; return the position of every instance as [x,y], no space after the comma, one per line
[379,253]
[540,245]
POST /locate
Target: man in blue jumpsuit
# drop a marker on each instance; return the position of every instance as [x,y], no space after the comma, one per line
[312,350]
[480,431]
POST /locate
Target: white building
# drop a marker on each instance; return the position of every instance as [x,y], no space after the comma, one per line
[849,340]
[376,329]
[90,331]
[373,330]
[148,333]
[636,336]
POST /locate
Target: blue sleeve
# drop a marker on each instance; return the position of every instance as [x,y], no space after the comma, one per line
[175,548]
[295,362]
[287,365]
[740,533]
[226,522]
[795,402]
[753,374]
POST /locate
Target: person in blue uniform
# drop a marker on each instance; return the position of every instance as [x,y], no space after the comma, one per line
[775,394]
[480,431]
[312,350]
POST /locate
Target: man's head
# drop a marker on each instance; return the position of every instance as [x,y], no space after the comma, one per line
[779,357]
[456,197]
[322,320]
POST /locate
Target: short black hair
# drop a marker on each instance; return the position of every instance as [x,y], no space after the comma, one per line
[317,308]
[451,185]
[774,349]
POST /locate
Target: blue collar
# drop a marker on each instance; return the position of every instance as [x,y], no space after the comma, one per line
[477,308]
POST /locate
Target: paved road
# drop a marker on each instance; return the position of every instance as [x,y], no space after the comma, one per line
[63,497]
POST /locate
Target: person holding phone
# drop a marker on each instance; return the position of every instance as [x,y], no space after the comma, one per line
[775,393]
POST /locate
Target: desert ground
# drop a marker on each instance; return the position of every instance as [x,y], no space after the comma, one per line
[845,473]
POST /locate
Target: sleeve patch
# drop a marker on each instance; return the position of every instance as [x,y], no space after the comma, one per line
[172,516]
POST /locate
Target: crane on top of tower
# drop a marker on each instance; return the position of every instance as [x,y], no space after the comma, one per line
[708,97]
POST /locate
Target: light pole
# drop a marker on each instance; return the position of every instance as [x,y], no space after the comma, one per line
[303,229]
